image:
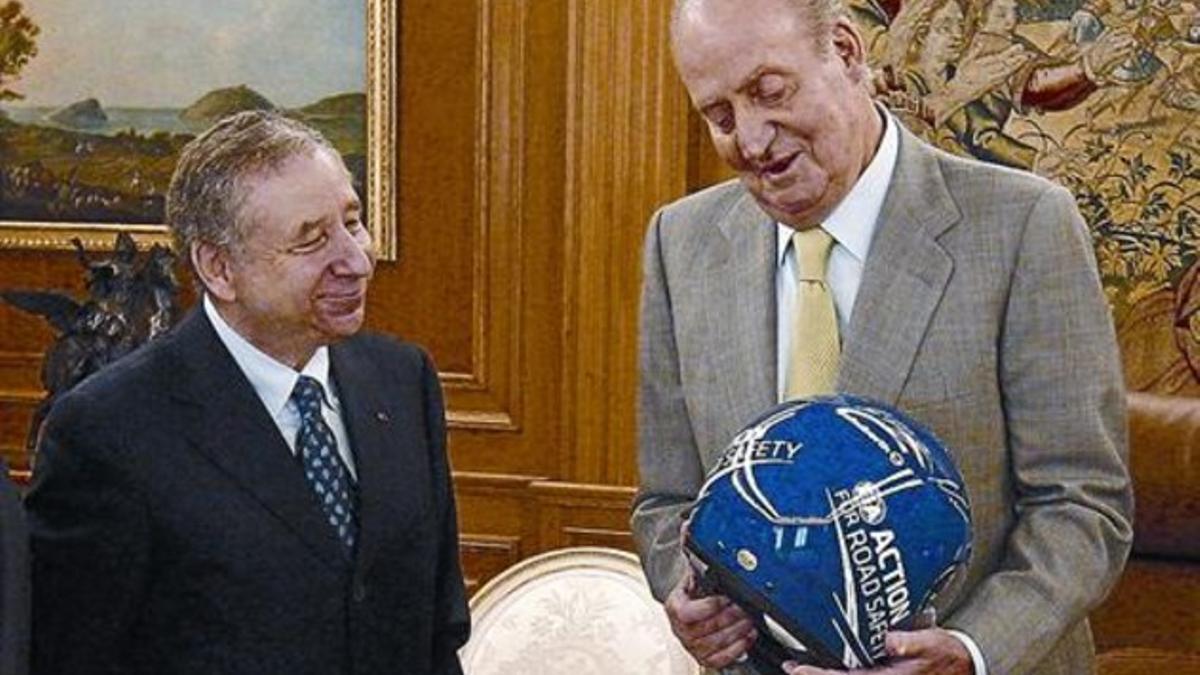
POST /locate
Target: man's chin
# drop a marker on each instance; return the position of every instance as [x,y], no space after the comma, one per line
[798,215]
[341,325]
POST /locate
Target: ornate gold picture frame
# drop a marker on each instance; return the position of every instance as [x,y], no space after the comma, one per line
[44,150]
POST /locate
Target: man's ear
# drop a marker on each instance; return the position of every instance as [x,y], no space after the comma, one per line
[848,46]
[213,266]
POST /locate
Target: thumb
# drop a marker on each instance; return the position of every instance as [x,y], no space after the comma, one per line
[901,644]
[686,583]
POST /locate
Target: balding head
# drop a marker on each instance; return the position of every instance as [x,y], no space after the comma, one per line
[817,15]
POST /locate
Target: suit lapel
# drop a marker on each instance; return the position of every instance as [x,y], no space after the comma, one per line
[739,283]
[383,436]
[905,275]
[226,421]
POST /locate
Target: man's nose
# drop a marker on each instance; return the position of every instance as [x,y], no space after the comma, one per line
[755,133]
[355,254]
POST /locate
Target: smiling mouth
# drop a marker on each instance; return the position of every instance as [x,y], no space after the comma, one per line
[343,298]
[777,168]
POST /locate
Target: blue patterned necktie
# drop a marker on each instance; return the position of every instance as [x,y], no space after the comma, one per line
[323,467]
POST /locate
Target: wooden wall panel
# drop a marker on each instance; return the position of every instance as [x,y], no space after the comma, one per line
[626,154]
[22,341]
[484,556]
[501,381]
[497,505]
[524,516]
[16,411]
[573,514]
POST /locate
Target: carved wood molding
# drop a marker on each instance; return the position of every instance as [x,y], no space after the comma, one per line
[525,515]
[490,542]
[575,514]
[480,482]
[489,396]
[18,399]
[583,494]
[21,397]
[626,154]
[20,359]
[20,376]
[597,536]
[485,555]
[542,489]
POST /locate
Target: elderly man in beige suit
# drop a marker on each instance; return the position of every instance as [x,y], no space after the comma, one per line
[965,294]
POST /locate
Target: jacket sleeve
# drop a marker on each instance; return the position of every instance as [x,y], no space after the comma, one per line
[452,623]
[90,544]
[668,460]
[1064,408]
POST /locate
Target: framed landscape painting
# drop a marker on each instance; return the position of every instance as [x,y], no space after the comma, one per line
[97,99]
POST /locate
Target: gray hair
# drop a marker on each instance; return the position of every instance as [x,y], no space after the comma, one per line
[208,188]
[818,15]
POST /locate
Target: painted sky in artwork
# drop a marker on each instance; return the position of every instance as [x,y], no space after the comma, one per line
[168,53]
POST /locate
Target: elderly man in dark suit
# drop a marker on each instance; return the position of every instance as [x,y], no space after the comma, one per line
[264,490]
[14,580]
[852,257]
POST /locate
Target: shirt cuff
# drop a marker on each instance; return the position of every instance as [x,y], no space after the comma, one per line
[973,649]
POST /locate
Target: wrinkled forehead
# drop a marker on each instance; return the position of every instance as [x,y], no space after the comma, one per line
[733,22]
[721,43]
[317,176]
[251,178]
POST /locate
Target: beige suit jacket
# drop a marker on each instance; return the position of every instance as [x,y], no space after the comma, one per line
[980,313]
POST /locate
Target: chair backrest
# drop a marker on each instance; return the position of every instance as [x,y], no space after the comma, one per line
[575,611]
[1164,453]
[1150,623]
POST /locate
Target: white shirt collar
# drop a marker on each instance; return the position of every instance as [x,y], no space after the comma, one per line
[272,381]
[852,223]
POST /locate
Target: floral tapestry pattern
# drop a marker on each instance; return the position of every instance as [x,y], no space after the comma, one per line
[1102,96]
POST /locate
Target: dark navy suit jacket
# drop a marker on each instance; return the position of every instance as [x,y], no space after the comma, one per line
[173,530]
[14,580]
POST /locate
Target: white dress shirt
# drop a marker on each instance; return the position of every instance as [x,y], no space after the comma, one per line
[852,225]
[274,382]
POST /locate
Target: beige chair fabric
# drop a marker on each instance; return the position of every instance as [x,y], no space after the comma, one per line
[576,611]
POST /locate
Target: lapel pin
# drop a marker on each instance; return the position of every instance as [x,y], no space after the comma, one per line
[381,416]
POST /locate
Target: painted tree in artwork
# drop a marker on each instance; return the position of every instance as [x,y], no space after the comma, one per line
[17,45]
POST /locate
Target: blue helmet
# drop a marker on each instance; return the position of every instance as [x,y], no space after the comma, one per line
[830,521]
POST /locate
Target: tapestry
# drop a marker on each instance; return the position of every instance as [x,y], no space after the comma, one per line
[1101,96]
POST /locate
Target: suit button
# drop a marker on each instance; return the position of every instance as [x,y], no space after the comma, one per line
[360,591]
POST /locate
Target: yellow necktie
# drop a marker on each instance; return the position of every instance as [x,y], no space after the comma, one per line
[815,348]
